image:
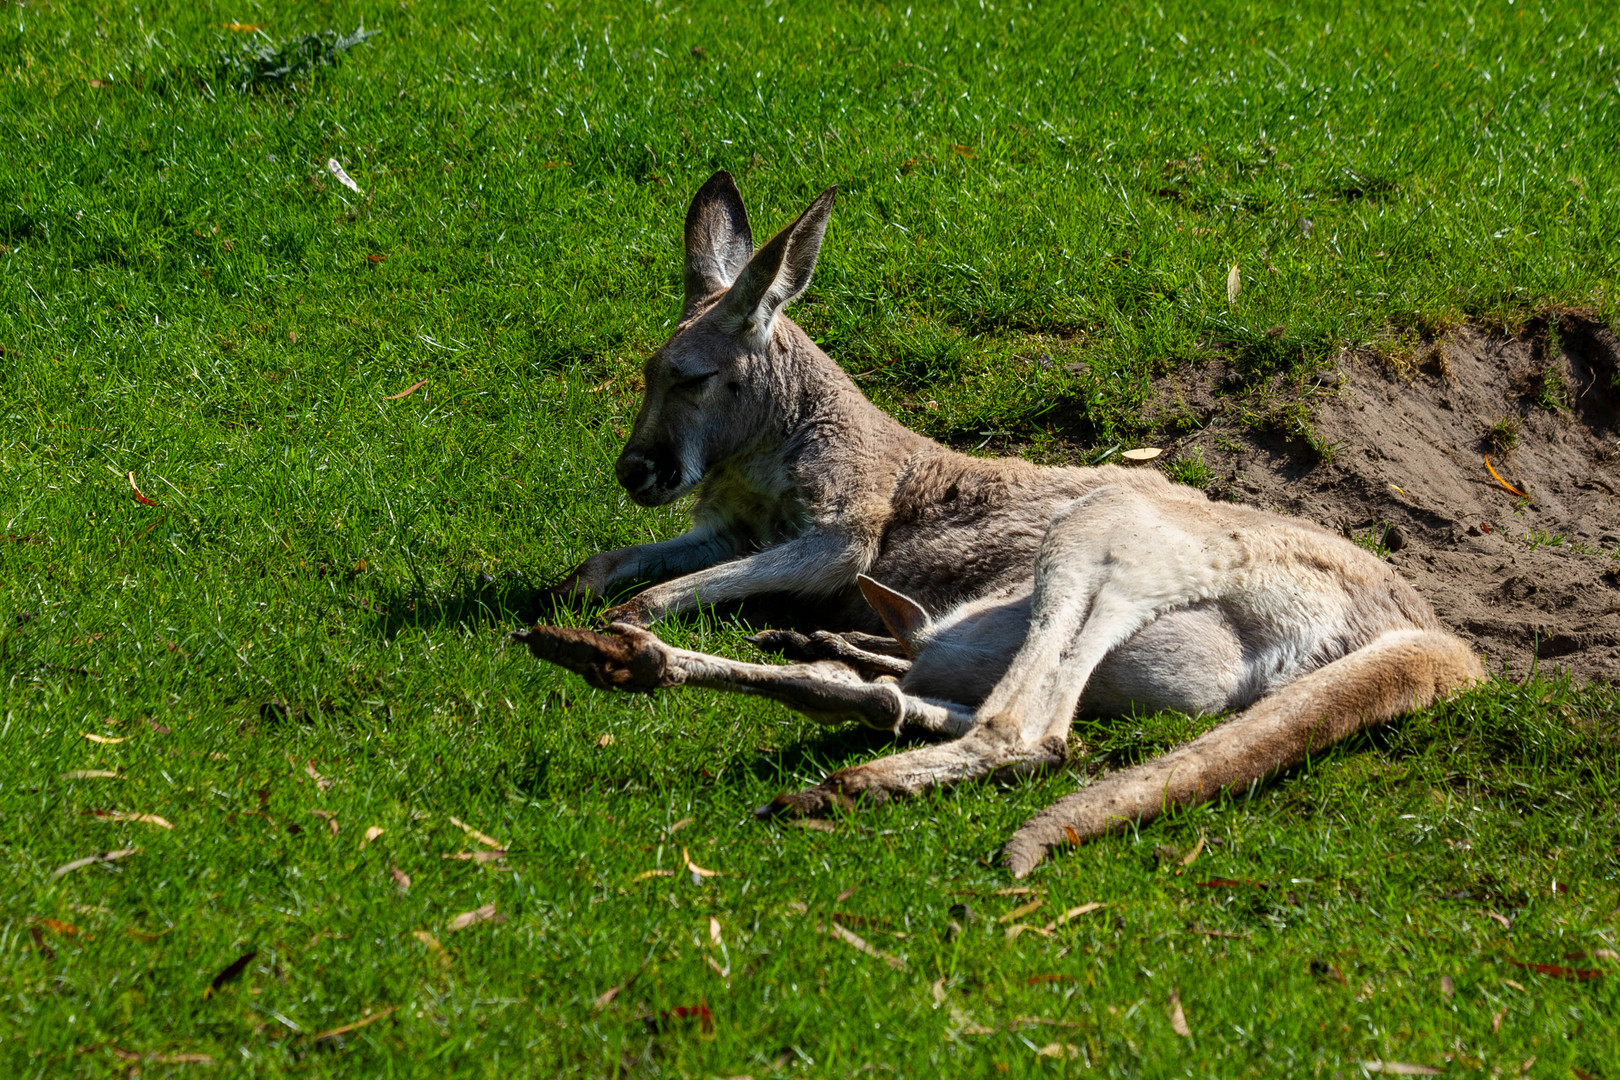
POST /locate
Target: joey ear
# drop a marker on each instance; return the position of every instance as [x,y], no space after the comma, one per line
[780,270]
[904,617]
[718,242]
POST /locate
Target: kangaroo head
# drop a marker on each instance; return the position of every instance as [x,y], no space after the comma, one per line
[713,387]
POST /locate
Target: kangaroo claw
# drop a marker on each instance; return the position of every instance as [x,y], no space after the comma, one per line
[629,658]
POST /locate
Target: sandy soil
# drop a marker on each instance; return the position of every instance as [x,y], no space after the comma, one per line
[1529,581]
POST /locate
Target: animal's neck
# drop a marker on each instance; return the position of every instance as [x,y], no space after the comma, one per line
[823,395]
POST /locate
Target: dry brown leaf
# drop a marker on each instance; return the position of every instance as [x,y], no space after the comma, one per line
[1178,1018]
[401,879]
[1193,854]
[1448,989]
[645,874]
[605,739]
[1142,453]
[1075,913]
[938,990]
[605,998]
[435,949]
[1234,284]
[321,782]
[479,857]
[855,941]
[814,824]
[407,392]
[1059,1051]
[181,1059]
[330,819]
[104,740]
[1401,1068]
[1516,985]
[142,499]
[1016,929]
[146,935]
[966,1025]
[714,931]
[1021,910]
[230,973]
[60,929]
[121,815]
[91,860]
[487,913]
[845,895]
[483,838]
[695,868]
[91,774]
[372,833]
[1499,918]
[1016,890]
[678,826]
[358,1024]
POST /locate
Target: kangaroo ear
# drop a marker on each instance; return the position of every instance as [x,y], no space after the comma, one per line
[779,271]
[904,617]
[718,242]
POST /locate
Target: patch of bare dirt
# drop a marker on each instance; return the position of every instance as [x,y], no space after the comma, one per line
[1529,581]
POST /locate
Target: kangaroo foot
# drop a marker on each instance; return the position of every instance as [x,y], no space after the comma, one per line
[822,645]
[627,659]
[916,771]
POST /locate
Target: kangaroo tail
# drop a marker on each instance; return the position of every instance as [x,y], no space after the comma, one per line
[1398,671]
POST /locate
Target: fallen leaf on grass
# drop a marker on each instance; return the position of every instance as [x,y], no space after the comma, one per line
[104,740]
[966,1025]
[121,815]
[91,860]
[91,774]
[401,879]
[1036,980]
[371,834]
[1193,854]
[1142,453]
[1021,910]
[1178,1018]
[99,84]
[1232,883]
[1506,925]
[407,392]
[230,973]
[699,1012]
[356,1025]
[1400,1068]
[1016,890]
[181,1059]
[1075,913]
[1447,988]
[1559,971]
[1059,1051]
[146,935]
[60,929]
[342,177]
[678,826]
[845,895]
[487,913]
[142,499]
[433,946]
[855,941]
[479,857]
[376,258]
[328,817]
[938,990]
[814,824]
[321,782]
[1234,284]
[482,838]
[697,871]
[645,874]
[1516,985]
[243,28]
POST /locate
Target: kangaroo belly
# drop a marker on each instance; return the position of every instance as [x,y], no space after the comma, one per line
[1191,660]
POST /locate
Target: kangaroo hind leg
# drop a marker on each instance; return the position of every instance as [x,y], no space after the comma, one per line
[1399,671]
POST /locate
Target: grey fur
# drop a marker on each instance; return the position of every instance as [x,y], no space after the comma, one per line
[1025,594]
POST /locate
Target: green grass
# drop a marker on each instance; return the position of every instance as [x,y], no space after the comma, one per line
[1039,208]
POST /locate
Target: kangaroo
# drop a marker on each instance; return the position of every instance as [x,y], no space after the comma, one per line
[1016,596]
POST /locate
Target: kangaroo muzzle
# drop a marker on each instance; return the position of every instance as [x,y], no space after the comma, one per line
[651,475]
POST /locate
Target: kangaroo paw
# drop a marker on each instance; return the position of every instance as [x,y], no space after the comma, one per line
[786,643]
[627,659]
[818,801]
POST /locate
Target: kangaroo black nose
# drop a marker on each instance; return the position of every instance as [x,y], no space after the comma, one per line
[632,471]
